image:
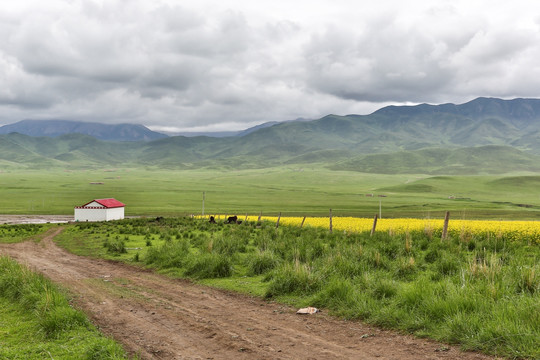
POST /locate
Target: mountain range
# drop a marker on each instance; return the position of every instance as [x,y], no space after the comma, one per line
[485,135]
[54,128]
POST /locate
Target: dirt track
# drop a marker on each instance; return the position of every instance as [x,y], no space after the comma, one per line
[160,318]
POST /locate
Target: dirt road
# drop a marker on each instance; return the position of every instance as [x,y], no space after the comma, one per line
[160,318]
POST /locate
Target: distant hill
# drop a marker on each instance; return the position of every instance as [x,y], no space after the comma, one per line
[486,135]
[397,128]
[54,128]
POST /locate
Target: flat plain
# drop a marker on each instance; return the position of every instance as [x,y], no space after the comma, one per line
[292,191]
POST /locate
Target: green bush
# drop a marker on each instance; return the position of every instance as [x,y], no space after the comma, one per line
[115,246]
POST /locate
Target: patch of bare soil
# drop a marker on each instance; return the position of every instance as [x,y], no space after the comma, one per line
[160,318]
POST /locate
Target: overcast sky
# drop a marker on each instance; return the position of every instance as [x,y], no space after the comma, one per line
[231,64]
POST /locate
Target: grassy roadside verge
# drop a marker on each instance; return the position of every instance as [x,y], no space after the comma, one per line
[17,233]
[478,290]
[37,321]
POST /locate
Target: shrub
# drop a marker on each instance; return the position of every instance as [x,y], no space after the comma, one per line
[115,246]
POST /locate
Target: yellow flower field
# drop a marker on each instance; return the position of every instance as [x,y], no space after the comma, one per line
[525,231]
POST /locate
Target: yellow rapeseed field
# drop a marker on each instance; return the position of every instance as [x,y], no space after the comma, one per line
[524,231]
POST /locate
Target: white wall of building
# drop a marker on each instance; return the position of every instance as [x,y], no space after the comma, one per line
[115,214]
[98,214]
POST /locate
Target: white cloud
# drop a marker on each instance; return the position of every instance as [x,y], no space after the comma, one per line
[234,63]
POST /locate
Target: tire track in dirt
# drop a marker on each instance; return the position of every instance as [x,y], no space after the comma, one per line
[160,318]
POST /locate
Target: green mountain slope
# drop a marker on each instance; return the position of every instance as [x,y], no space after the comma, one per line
[489,159]
[482,136]
[54,128]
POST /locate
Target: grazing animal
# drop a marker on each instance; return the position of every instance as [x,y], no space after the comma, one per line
[231,220]
[212,220]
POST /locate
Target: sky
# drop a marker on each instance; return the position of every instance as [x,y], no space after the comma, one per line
[202,65]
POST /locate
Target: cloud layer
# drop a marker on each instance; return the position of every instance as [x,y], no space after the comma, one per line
[233,64]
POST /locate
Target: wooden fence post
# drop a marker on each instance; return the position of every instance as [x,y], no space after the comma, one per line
[302,224]
[374,225]
[330,221]
[259,219]
[279,217]
[445,227]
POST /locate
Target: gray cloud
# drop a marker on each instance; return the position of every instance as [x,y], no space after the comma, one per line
[232,64]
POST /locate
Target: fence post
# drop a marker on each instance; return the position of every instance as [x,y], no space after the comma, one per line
[445,227]
[279,217]
[302,224]
[374,225]
[330,221]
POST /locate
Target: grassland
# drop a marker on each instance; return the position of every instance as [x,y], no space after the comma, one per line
[13,234]
[480,291]
[39,323]
[291,190]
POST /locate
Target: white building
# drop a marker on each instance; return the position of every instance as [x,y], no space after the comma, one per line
[100,210]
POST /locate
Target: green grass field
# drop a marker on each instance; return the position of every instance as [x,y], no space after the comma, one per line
[290,190]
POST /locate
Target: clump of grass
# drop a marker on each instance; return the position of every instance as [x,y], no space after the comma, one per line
[261,262]
[406,268]
[170,254]
[528,281]
[228,245]
[116,246]
[209,265]
[338,293]
[60,319]
[383,289]
[36,293]
[293,278]
[447,265]
[105,349]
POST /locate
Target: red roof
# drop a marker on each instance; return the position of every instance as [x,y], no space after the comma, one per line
[108,203]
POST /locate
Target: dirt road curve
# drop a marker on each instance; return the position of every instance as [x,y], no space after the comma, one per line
[160,318]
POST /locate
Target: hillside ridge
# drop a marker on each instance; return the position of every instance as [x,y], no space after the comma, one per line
[414,134]
[107,132]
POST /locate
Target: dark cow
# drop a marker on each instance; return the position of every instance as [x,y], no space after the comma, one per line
[231,220]
[212,220]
